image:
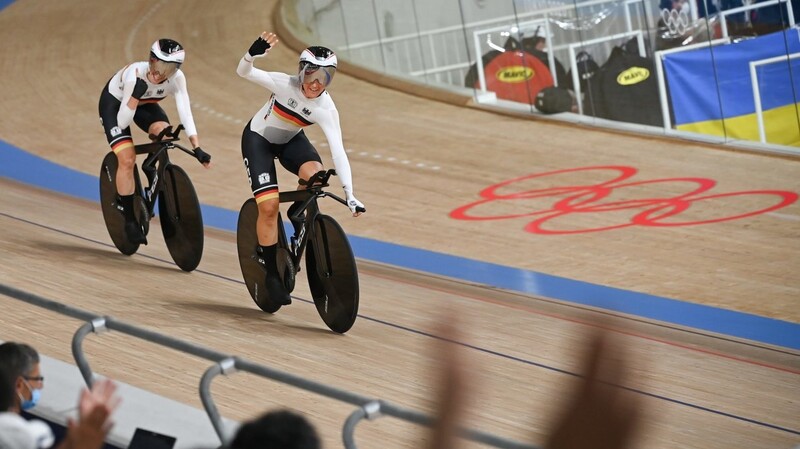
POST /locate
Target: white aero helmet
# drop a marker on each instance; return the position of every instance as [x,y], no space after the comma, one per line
[317,63]
[166,57]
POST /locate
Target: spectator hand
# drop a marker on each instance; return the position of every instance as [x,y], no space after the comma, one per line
[454,383]
[94,410]
[356,207]
[139,89]
[600,414]
[262,45]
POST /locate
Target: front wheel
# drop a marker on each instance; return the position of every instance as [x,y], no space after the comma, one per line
[181,218]
[332,275]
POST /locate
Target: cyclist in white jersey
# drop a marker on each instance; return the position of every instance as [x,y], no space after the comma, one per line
[132,95]
[276,132]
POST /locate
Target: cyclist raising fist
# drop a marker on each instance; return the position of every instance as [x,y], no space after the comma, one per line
[276,132]
[132,95]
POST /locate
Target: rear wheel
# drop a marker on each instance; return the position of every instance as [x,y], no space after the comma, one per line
[181,218]
[252,271]
[114,218]
[332,275]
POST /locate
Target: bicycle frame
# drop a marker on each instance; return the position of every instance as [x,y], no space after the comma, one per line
[309,197]
[157,154]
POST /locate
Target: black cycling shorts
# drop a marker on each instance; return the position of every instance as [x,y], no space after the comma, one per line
[146,114]
[259,160]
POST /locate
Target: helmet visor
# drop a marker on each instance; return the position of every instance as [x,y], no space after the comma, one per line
[311,73]
[163,68]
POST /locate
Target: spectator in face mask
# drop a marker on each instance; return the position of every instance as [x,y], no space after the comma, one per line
[22,363]
[15,431]
[20,381]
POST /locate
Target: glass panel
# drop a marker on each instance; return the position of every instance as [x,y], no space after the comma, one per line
[312,22]
[757,76]
[612,64]
[515,63]
[664,66]
[364,40]
[775,94]
[444,57]
[715,90]
[487,32]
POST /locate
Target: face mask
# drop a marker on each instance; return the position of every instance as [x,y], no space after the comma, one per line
[27,404]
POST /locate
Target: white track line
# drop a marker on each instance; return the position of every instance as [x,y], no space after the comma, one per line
[784,216]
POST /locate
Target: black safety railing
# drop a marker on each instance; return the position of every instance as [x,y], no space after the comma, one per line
[226,364]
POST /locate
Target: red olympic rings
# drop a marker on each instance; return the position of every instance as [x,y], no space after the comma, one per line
[598,198]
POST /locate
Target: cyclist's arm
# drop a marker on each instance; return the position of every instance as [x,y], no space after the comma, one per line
[329,122]
[129,104]
[184,107]
[258,76]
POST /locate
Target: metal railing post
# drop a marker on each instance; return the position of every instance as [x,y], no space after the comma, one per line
[227,366]
[97,325]
[370,411]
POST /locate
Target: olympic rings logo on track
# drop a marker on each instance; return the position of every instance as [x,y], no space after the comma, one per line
[594,199]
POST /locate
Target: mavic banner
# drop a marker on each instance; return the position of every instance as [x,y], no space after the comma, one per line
[711,91]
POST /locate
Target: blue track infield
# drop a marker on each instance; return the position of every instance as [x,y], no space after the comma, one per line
[22,166]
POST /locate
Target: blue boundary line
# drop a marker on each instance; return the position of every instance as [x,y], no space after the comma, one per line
[25,167]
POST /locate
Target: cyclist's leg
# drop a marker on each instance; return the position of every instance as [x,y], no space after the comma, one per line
[157,127]
[121,144]
[119,140]
[302,159]
[259,162]
[151,118]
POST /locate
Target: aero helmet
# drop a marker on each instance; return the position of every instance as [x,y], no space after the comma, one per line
[166,56]
[317,63]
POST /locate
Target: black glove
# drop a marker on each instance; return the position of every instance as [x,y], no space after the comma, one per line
[139,89]
[202,156]
[259,48]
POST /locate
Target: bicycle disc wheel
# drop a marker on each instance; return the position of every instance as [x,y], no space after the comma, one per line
[252,272]
[115,220]
[332,275]
[181,219]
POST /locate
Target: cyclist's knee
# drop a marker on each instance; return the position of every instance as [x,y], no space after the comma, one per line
[157,127]
[268,209]
[126,159]
[309,169]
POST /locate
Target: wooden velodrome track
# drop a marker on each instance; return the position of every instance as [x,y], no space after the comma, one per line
[414,161]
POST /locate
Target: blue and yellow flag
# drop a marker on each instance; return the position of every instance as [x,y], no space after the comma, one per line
[711,91]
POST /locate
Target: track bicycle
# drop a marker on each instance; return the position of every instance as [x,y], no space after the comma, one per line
[330,264]
[169,186]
